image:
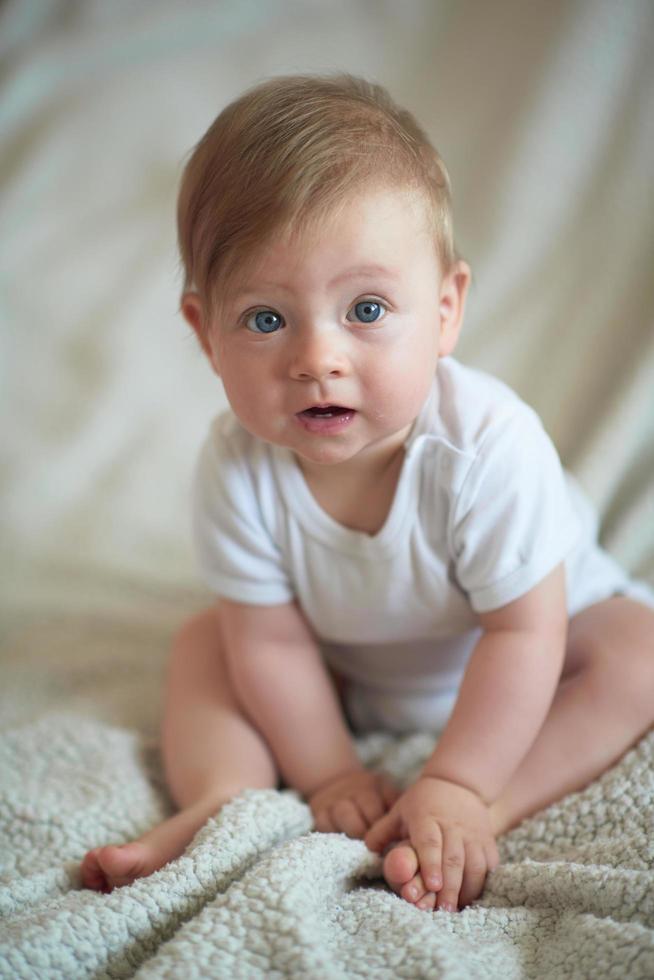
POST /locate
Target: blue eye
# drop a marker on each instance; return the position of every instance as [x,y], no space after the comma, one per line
[368,310]
[267,321]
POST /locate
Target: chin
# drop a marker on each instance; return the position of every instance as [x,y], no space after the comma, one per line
[326,457]
[323,455]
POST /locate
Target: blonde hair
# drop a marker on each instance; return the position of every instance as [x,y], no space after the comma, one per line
[290,151]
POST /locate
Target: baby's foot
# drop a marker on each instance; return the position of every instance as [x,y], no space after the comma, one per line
[106,868]
[402,875]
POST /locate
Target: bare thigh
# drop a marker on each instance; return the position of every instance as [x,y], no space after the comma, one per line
[615,639]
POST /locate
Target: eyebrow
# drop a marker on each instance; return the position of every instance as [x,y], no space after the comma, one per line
[365,270]
[358,272]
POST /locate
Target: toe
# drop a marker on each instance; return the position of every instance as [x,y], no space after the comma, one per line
[91,872]
[400,865]
[123,864]
[427,901]
[415,889]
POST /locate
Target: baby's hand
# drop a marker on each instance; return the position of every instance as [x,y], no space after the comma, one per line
[352,802]
[449,828]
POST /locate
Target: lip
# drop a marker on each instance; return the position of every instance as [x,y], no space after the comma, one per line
[326,426]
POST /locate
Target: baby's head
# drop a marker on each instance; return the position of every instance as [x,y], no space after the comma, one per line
[286,153]
[327,167]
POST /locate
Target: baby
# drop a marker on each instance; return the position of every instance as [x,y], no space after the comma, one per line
[390,537]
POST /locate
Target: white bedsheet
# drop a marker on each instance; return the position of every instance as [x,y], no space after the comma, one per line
[545,116]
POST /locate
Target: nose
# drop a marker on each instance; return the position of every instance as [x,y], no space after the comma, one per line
[319,352]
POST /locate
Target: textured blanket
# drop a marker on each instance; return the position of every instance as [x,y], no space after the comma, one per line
[258,894]
[544,113]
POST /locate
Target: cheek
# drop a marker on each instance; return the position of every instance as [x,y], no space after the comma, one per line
[414,360]
[413,372]
[251,395]
[243,392]
[235,375]
[398,389]
[239,369]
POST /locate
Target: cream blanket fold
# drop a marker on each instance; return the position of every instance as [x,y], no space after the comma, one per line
[259,895]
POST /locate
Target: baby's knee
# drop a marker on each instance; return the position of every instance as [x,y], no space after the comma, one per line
[642,679]
[625,676]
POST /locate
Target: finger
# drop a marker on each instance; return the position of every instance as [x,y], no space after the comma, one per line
[427,840]
[453,862]
[389,791]
[492,855]
[474,873]
[322,822]
[346,817]
[385,830]
[371,805]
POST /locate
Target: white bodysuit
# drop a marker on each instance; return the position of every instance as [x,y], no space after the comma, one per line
[482,512]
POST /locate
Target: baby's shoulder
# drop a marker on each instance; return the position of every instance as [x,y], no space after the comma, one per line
[475,408]
[475,429]
[229,441]
[232,457]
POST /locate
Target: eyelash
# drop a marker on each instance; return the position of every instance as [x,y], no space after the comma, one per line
[364,299]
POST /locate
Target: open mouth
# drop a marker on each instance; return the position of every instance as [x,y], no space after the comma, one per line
[325,411]
[326,419]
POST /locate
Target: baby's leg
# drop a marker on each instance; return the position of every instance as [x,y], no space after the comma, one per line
[602,706]
[211,752]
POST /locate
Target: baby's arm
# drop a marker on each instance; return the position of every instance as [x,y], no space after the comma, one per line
[506,693]
[285,690]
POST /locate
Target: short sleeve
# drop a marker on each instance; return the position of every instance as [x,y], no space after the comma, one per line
[513,520]
[236,553]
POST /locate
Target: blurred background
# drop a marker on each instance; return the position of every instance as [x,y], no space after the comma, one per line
[544,113]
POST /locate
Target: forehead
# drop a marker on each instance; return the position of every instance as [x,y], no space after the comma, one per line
[375,234]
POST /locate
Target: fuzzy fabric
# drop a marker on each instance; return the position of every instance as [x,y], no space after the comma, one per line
[544,114]
[257,894]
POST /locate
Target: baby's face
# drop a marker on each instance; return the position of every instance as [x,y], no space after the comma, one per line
[329,346]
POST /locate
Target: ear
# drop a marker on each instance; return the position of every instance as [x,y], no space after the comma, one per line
[453,293]
[193,312]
